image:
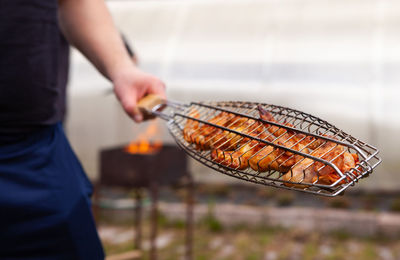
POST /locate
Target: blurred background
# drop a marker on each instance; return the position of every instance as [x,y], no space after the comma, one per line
[338,60]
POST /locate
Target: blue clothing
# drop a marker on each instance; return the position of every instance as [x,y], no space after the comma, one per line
[45,208]
[44,193]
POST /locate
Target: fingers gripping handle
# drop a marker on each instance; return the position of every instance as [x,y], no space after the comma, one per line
[147,103]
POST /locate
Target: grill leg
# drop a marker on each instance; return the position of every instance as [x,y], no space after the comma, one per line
[96,202]
[154,217]
[138,220]
[189,217]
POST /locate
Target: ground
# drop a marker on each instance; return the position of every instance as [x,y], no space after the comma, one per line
[216,240]
[213,241]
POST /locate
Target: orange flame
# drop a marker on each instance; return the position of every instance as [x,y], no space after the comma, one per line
[142,145]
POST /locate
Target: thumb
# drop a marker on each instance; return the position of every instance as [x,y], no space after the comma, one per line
[129,104]
[137,115]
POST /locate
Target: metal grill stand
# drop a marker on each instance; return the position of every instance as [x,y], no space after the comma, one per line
[148,171]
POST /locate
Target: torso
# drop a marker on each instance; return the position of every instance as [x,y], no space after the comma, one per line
[30,92]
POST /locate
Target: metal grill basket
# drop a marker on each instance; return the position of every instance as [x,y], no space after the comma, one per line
[287,122]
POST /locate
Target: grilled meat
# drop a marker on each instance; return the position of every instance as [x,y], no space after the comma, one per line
[202,136]
[238,159]
[310,171]
[240,152]
[308,141]
[271,158]
[227,140]
[191,126]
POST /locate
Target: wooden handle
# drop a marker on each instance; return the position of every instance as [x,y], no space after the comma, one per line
[147,103]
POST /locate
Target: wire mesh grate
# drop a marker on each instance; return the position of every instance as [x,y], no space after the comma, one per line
[271,145]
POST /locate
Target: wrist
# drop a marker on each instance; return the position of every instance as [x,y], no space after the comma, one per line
[119,69]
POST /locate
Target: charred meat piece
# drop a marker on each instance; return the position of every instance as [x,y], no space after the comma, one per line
[310,142]
[272,158]
[207,136]
[310,171]
[191,126]
[273,129]
[202,135]
[238,159]
[305,170]
[345,162]
[228,140]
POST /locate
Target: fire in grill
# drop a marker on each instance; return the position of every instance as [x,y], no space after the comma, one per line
[269,145]
[121,168]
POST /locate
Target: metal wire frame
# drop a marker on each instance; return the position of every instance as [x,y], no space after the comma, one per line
[290,120]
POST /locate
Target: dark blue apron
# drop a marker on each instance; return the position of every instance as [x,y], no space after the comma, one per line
[45,208]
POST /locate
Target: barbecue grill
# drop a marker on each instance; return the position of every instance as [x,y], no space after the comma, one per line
[178,115]
[167,166]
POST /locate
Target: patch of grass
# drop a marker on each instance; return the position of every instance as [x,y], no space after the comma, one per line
[310,251]
[201,257]
[111,249]
[243,243]
[175,249]
[201,245]
[212,223]
[378,239]
[179,224]
[162,220]
[341,235]
[253,242]
[253,256]
[265,239]
[369,253]
[338,253]
[284,254]
[257,229]
[395,205]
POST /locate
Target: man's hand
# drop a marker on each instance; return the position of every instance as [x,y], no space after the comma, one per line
[131,85]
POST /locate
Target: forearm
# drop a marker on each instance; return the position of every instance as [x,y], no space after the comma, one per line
[88,26]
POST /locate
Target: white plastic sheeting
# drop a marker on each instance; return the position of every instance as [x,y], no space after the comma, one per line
[339,60]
